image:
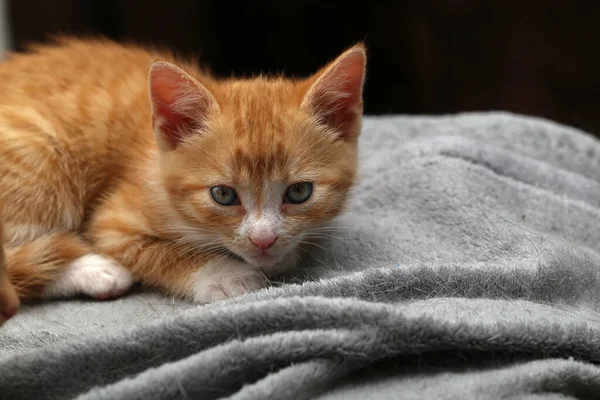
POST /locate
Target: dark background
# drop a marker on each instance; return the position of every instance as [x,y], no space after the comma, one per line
[536,57]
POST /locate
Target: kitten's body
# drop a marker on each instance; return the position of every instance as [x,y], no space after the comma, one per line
[104,183]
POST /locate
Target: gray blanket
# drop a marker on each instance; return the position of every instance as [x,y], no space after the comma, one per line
[466,267]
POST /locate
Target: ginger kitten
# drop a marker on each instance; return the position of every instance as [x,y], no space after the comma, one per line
[116,167]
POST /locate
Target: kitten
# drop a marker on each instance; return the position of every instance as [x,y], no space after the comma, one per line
[117,167]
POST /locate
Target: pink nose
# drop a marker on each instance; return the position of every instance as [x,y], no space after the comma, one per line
[263,242]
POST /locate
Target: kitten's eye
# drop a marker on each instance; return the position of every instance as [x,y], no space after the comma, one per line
[224,195]
[298,193]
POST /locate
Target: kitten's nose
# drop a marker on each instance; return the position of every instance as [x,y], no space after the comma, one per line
[263,242]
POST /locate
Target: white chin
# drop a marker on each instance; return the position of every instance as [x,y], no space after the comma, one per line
[263,261]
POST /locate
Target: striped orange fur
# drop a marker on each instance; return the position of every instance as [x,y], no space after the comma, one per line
[109,155]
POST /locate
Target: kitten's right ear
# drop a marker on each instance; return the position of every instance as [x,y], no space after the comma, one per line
[335,98]
[180,105]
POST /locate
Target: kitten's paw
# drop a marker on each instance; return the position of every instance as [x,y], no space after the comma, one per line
[92,275]
[225,278]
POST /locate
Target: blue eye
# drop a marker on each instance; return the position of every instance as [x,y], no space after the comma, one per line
[224,195]
[298,193]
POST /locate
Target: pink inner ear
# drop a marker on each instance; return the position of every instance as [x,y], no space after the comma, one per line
[179,103]
[171,123]
[336,97]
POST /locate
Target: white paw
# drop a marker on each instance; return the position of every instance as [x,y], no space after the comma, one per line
[224,278]
[92,275]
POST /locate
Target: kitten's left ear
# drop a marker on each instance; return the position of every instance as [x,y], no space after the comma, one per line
[180,104]
[335,98]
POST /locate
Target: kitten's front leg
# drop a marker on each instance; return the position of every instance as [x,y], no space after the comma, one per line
[225,277]
[185,272]
[222,278]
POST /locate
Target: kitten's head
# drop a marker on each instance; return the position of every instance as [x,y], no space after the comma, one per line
[254,165]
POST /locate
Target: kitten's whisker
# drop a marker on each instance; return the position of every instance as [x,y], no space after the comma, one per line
[180,228]
[197,240]
[341,228]
[303,249]
[323,236]
[314,244]
[265,276]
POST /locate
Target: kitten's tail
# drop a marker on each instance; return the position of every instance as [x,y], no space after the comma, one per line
[9,301]
[34,265]
[62,264]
